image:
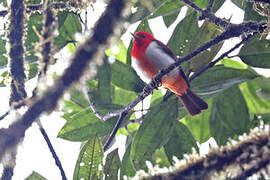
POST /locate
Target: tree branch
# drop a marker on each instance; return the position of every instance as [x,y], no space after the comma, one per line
[254,150]
[210,5]
[55,157]
[47,41]
[115,129]
[16,51]
[10,137]
[259,1]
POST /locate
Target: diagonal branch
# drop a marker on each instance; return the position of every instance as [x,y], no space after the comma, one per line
[55,157]
[221,57]
[224,161]
[9,138]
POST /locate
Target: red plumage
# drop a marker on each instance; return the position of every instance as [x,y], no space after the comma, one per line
[152,56]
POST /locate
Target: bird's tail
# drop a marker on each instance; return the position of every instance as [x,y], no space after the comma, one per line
[193,103]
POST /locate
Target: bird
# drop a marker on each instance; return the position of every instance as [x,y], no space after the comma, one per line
[151,56]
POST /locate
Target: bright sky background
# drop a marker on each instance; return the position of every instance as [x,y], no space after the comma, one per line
[33,153]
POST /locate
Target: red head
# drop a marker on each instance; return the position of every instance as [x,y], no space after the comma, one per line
[141,41]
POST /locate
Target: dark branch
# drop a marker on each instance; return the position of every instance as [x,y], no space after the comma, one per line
[206,14]
[57,161]
[16,52]
[259,1]
[47,41]
[227,160]
[115,129]
[210,5]
[8,173]
[10,137]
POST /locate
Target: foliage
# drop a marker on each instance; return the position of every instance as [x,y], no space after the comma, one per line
[235,93]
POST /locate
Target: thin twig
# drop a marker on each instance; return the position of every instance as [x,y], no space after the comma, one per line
[56,158]
[92,106]
[210,5]
[221,57]
[17,106]
[48,28]
[207,14]
[115,129]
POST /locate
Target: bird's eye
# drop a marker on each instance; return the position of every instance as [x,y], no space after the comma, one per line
[143,36]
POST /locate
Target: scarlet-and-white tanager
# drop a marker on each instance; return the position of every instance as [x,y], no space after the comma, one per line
[151,56]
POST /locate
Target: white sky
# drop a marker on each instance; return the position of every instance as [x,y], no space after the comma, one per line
[34,155]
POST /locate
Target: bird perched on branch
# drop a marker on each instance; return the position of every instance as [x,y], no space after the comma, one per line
[151,56]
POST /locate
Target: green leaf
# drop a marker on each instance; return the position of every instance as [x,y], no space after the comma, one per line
[123,97]
[168,20]
[219,78]
[72,107]
[252,15]
[230,116]
[4,76]
[119,52]
[125,77]
[167,8]
[180,143]
[217,5]
[161,158]
[171,6]
[199,125]
[112,165]
[102,95]
[264,92]
[227,62]
[126,167]
[206,32]
[156,97]
[68,116]
[33,70]
[180,40]
[256,104]
[35,21]
[78,98]
[142,10]
[3,58]
[266,118]
[84,125]
[143,26]
[69,24]
[89,164]
[35,176]
[150,135]
[256,53]
[201,3]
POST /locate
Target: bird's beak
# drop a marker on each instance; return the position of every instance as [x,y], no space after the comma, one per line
[134,35]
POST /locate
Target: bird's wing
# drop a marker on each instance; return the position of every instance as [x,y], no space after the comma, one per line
[168,51]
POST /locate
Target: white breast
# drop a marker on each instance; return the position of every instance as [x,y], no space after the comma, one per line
[139,71]
[160,58]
